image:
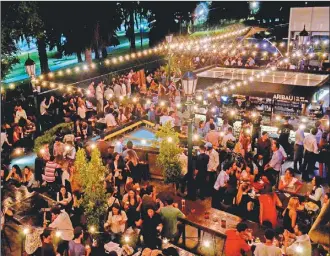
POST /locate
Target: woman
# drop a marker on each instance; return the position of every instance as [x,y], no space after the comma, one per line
[116,222]
[268,201]
[64,198]
[117,166]
[133,199]
[244,202]
[138,111]
[17,135]
[133,166]
[152,113]
[76,210]
[128,113]
[323,145]
[133,215]
[288,181]
[248,174]
[317,191]
[290,214]
[121,116]
[29,179]
[15,175]
[81,109]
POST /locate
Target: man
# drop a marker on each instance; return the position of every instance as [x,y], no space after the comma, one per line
[117,90]
[225,126]
[201,167]
[311,153]
[110,119]
[284,132]
[167,118]
[273,168]
[20,113]
[302,242]
[298,148]
[61,223]
[212,166]
[229,136]
[220,185]
[184,171]
[319,133]
[207,125]
[75,246]
[170,215]
[49,173]
[152,225]
[47,247]
[213,136]
[263,149]
[236,240]
[99,97]
[268,248]
[129,146]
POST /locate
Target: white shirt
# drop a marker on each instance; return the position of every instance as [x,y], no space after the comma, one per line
[43,108]
[123,89]
[310,143]
[99,92]
[226,138]
[19,114]
[165,119]
[300,136]
[318,136]
[4,139]
[318,194]
[292,182]
[81,112]
[267,250]
[110,120]
[222,178]
[69,198]
[184,163]
[281,149]
[304,243]
[213,161]
[117,90]
[65,176]
[113,222]
[63,223]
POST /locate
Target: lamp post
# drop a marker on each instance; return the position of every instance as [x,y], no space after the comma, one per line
[189,82]
[303,39]
[169,40]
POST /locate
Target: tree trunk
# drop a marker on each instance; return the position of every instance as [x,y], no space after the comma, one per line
[136,21]
[88,55]
[41,44]
[97,53]
[59,49]
[79,56]
[104,52]
[131,25]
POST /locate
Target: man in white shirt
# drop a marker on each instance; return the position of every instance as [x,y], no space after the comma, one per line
[117,90]
[212,166]
[319,133]
[220,186]
[167,118]
[123,87]
[99,97]
[183,158]
[62,224]
[302,243]
[268,248]
[4,139]
[108,93]
[310,157]
[298,148]
[110,119]
[273,168]
[20,113]
[227,137]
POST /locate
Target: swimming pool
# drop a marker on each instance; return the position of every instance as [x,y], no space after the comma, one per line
[141,137]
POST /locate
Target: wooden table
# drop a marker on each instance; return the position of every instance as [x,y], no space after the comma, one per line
[195,217]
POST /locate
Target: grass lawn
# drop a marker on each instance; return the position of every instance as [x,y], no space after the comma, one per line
[18,74]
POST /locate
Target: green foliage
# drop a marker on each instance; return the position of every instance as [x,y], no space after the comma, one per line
[90,175]
[180,64]
[49,135]
[168,158]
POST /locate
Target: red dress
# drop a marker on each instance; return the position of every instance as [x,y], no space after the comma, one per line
[269,208]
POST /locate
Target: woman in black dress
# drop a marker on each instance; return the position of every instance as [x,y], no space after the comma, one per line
[290,214]
[117,166]
[133,167]
[243,202]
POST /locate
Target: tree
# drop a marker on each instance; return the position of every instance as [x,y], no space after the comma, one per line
[129,10]
[91,175]
[168,158]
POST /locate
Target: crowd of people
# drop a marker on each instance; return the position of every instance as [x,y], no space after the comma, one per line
[229,168]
